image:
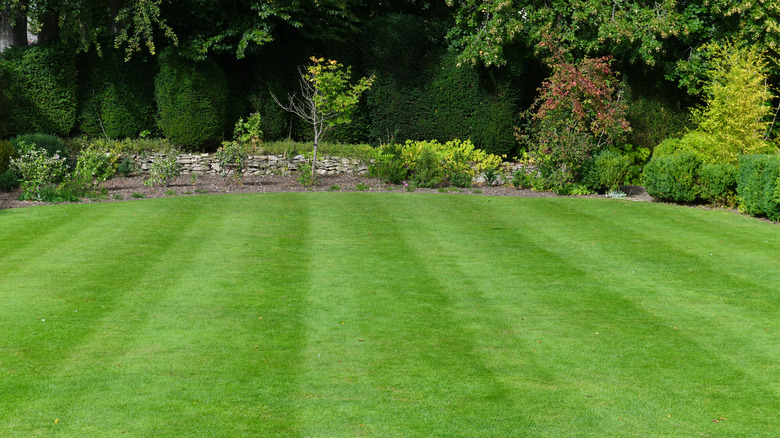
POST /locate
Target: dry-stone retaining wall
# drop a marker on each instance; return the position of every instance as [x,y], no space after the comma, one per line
[281,165]
[263,164]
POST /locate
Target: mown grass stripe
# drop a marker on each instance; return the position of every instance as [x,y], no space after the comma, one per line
[451,296]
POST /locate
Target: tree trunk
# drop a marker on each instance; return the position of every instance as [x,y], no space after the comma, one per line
[50,28]
[114,6]
[15,34]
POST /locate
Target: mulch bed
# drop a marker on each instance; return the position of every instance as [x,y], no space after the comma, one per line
[132,188]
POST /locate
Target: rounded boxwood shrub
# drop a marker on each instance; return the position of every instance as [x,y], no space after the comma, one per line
[608,170]
[42,85]
[673,177]
[191,99]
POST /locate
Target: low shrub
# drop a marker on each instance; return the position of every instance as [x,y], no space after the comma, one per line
[163,169]
[607,171]
[126,167]
[521,179]
[461,180]
[9,180]
[427,169]
[37,170]
[232,158]
[718,183]
[673,177]
[93,167]
[758,185]
[389,166]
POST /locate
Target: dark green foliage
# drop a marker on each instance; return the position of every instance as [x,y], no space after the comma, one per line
[42,87]
[718,183]
[653,121]
[7,151]
[521,179]
[607,171]
[116,97]
[758,185]
[50,143]
[420,92]
[9,180]
[126,167]
[461,180]
[191,99]
[673,177]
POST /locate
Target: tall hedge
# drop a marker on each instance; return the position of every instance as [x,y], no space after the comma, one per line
[41,82]
[758,185]
[191,99]
[420,92]
[116,98]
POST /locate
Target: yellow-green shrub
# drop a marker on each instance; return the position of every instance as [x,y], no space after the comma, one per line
[455,156]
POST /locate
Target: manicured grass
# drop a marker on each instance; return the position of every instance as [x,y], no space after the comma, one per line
[393,314]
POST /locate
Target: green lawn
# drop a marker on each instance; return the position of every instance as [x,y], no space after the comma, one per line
[356,314]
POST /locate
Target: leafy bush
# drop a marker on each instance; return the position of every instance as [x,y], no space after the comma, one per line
[718,183]
[521,179]
[232,159]
[427,169]
[389,166]
[758,185]
[607,171]
[37,170]
[7,152]
[673,177]
[191,99]
[461,180]
[249,131]
[42,85]
[9,180]
[93,167]
[454,156]
[126,167]
[577,114]
[51,144]
[163,169]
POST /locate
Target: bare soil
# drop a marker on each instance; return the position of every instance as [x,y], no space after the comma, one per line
[132,188]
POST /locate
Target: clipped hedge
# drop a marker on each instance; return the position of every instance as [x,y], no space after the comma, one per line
[116,97]
[191,99]
[420,93]
[673,177]
[758,185]
[718,183]
[41,82]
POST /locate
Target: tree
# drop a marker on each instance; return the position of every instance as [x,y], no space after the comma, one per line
[578,113]
[736,113]
[327,98]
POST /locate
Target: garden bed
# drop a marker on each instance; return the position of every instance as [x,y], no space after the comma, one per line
[132,188]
